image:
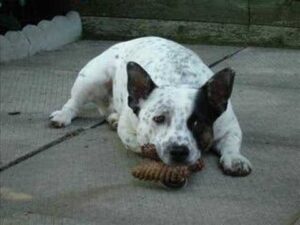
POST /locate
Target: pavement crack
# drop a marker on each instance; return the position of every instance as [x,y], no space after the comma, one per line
[97,124]
[225,57]
[49,145]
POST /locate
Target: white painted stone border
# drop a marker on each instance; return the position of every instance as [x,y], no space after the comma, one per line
[47,35]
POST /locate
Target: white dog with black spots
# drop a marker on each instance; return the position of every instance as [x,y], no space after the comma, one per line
[153,90]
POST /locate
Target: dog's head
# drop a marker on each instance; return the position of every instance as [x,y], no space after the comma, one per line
[177,120]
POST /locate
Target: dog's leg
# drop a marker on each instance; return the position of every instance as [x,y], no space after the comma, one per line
[228,146]
[93,84]
[127,131]
[81,94]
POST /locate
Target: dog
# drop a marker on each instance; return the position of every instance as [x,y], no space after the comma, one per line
[154,90]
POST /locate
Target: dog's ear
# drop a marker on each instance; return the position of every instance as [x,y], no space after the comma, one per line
[212,98]
[139,85]
[218,89]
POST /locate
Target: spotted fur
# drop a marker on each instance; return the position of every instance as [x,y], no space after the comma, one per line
[156,91]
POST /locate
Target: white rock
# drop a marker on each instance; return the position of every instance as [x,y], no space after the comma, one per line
[62,26]
[75,23]
[6,50]
[36,38]
[51,34]
[19,43]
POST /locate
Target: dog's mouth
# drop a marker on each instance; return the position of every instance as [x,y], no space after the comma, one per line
[184,163]
[171,162]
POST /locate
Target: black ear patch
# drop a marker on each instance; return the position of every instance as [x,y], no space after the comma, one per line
[212,98]
[211,101]
[139,85]
[217,90]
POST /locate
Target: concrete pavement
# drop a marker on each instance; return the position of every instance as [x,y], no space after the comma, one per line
[85,179]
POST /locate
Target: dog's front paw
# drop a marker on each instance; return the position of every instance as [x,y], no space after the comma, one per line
[235,165]
[59,119]
[113,120]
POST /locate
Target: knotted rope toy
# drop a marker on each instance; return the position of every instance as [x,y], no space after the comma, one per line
[155,170]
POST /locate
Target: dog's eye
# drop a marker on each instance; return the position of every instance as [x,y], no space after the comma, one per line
[159,119]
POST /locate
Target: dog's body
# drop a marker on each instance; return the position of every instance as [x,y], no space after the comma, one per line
[156,91]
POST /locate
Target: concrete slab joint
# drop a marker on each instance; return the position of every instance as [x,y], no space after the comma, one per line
[46,35]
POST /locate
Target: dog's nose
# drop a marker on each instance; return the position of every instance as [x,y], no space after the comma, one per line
[179,153]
